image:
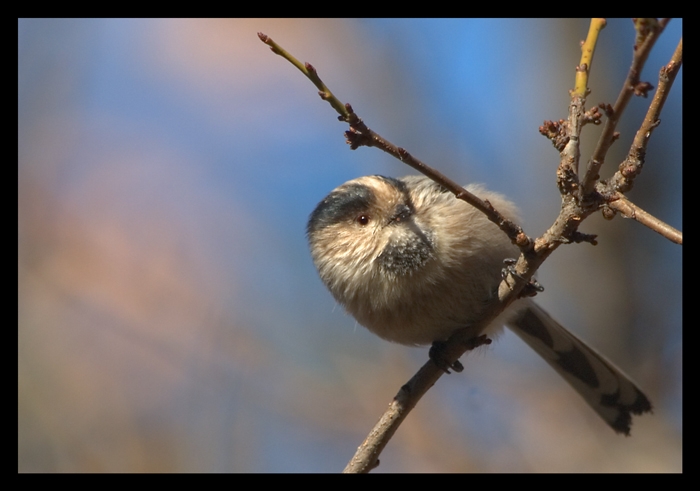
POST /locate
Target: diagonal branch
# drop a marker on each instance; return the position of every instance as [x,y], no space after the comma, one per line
[367,456]
[632,166]
[630,210]
[360,135]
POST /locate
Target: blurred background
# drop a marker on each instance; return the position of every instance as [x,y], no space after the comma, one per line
[170,318]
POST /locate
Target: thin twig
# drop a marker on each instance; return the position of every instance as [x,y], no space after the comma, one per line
[647,36]
[310,72]
[360,135]
[587,51]
[630,210]
[632,166]
[567,173]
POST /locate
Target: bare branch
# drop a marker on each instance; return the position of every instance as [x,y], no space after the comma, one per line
[632,165]
[630,210]
[648,31]
[310,72]
[567,173]
[366,457]
[587,51]
[360,135]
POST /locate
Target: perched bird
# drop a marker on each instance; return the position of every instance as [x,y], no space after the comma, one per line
[413,264]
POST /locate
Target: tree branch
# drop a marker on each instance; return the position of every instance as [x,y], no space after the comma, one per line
[648,31]
[360,135]
[630,210]
[632,166]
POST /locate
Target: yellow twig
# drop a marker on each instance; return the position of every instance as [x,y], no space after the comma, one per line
[587,50]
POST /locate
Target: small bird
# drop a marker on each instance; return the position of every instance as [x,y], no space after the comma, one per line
[413,264]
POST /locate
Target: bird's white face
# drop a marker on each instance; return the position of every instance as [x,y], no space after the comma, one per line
[365,230]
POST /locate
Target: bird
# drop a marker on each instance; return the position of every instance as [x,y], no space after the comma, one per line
[413,264]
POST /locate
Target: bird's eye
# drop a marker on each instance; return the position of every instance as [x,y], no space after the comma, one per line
[363,219]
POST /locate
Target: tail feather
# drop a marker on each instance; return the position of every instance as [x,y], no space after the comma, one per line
[602,385]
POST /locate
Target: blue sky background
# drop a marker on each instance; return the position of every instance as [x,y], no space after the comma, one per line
[170,318]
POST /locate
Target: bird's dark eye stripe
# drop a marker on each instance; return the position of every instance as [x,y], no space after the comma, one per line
[347,203]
